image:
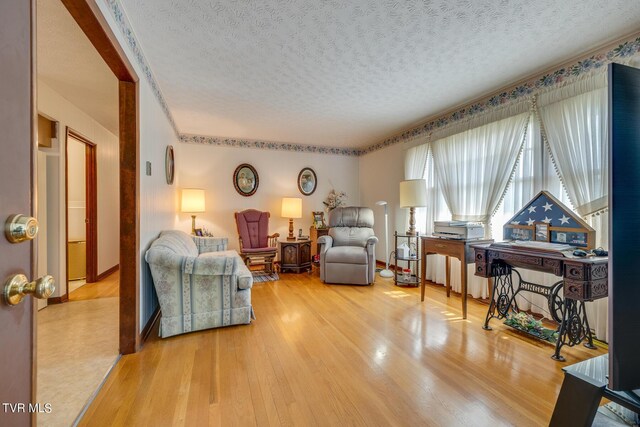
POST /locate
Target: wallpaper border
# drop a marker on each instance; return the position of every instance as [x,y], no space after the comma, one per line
[560,76]
[267,145]
[125,27]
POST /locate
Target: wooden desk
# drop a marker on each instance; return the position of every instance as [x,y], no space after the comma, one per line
[460,249]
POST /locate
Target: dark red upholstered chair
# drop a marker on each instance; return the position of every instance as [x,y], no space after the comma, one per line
[257,247]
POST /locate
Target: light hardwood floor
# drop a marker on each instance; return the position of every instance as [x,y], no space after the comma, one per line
[108,287]
[339,355]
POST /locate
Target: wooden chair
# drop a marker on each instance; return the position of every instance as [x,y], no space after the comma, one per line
[257,246]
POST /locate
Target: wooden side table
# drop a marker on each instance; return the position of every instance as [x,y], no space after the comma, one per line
[314,234]
[460,249]
[295,255]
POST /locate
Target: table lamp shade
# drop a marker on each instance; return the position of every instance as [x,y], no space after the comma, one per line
[291,207]
[192,200]
[413,193]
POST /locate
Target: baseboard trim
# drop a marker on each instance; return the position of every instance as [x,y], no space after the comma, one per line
[58,300]
[108,272]
[382,264]
[149,326]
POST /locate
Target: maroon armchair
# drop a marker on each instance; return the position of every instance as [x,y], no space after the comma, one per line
[257,247]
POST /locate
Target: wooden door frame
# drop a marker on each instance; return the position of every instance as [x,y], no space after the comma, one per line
[91,203]
[89,18]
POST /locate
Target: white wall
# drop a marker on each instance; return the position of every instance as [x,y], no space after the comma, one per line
[56,107]
[76,189]
[158,200]
[380,174]
[212,167]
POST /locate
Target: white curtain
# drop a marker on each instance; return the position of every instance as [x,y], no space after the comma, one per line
[474,167]
[419,165]
[477,165]
[415,161]
[415,166]
[575,123]
[576,132]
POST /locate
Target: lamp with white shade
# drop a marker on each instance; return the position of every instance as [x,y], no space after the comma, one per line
[291,208]
[386,272]
[413,194]
[192,202]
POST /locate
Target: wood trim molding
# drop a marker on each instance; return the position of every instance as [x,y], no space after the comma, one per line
[108,272]
[155,316]
[89,18]
[382,264]
[91,197]
[129,219]
[58,300]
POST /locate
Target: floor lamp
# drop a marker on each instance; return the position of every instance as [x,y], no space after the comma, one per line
[386,272]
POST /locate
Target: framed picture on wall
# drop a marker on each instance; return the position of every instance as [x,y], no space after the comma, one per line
[169,164]
[245,180]
[307,181]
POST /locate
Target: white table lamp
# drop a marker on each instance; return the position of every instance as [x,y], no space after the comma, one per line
[291,208]
[413,194]
[192,202]
[386,272]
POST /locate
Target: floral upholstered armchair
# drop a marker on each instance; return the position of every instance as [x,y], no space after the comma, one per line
[200,284]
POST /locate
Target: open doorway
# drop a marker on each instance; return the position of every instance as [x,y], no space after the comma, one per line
[81,210]
[79,338]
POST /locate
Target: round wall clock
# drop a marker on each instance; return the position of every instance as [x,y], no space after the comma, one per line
[169,164]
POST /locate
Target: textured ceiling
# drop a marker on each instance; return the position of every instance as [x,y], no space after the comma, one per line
[71,66]
[350,73]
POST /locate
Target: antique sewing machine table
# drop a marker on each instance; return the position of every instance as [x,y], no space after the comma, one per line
[582,280]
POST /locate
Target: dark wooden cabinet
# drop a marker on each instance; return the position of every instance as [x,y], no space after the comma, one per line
[295,255]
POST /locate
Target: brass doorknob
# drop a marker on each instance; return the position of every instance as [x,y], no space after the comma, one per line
[19,228]
[17,286]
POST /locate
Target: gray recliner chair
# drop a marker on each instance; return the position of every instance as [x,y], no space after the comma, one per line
[347,254]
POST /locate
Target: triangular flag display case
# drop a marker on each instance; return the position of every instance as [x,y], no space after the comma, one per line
[546,219]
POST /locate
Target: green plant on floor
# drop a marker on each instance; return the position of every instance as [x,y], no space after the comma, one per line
[527,323]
